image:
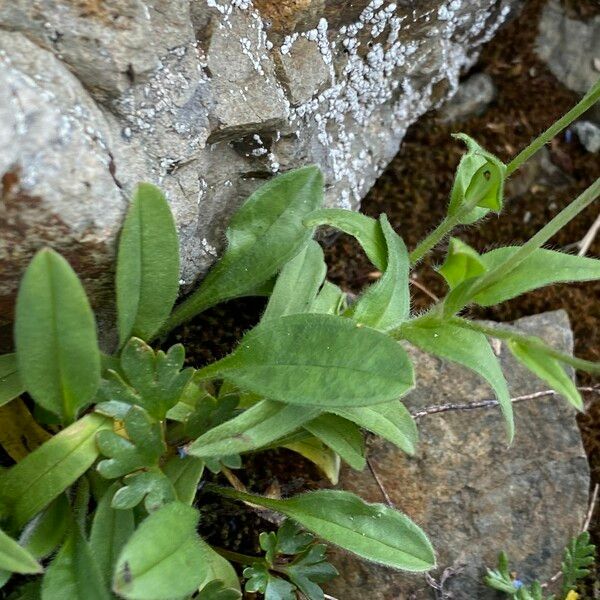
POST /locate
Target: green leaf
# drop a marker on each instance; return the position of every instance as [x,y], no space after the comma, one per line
[342,436]
[330,300]
[547,368]
[185,474]
[309,569]
[152,486]
[578,558]
[216,590]
[110,531]
[10,381]
[45,532]
[55,336]
[298,283]
[479,178]
[462,263]
[373,531]
[154,381]
[263,235]
[386,303]
[500,579]
[40,477]
[318,453]
[164,558]
[541,268]
[142,449]
[218,569]
[366,230]
[260,579]
[74,572]
[256,427]
[390,420]
[15,558]
[468,348]
[147,279]
[319,360]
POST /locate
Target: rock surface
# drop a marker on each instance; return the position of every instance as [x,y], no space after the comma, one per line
[205,98]
[570,48]
[472,98]
[588,134]
[472,494]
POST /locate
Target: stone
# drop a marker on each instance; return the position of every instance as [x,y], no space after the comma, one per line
[207,99]
[570,47]
[588,134]
[470,493]
[472,98]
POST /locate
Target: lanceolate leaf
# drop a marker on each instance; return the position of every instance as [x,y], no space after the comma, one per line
[330,300]
[10,382]
[164,558]
[316,359]
[110,531]
[74,572]
[14,558]
[55,335]
[468,348]
[263,235]
[342,436]
[256,427]
[218,569]
[390,420]
[318,453]
[365,229]
[386,303]
[185,474]
[47,530]
[147,278]
[373,531]
[547,368]
[541,268]
[298,283]
[40,477]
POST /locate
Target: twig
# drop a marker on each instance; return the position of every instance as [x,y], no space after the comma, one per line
[424,289]
[441,408]
[588,239]
[380,485]
[328,597]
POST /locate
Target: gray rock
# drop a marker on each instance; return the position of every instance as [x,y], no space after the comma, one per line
[469,492]
[570,48]
[588,134]
[205,98]
[472,98]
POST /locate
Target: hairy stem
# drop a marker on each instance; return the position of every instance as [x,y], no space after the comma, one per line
[586,102]
[504,333]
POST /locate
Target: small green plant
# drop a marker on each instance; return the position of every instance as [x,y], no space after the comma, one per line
[579,556]
[102,499]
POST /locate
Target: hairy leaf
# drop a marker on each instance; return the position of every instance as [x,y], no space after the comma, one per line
[55,337]
[16,559]
[317,359]
[318,453]
[578,558]
[365,229]
[386,303]
[542,267]
[468,348]
[172,568]
[147,279]
[547,368]
[256,427]
[263,235]
[10,381]
[154,381]
[41,476]
[185,474]
[152,486]
[110,531]
[373,531]
[330,300]
[462,263]
[298,283]
[342,436]
[44,533]
[390,420]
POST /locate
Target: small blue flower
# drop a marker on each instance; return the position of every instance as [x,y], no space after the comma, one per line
[182,452]
[518,584]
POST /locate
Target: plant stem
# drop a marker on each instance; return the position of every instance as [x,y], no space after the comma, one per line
[503,333]
[586,102]
[242,559]
[538,240]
